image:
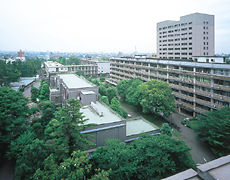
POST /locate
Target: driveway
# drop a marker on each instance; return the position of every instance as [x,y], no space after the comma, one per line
[200,152]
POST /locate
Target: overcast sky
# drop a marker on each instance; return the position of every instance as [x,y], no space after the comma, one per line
[100,25]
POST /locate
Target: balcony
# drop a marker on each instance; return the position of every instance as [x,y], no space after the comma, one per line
[187,72]
[187,106]
[203,93]
[221,87]
[204,84]
[174,71]
[174,78]
[162,76]
[199,110]
[203,102]
[221,97]
[182,96]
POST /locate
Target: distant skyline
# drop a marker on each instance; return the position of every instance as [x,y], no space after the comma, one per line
[100,25]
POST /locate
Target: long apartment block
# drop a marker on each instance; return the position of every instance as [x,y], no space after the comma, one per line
[198,87]
[192,35]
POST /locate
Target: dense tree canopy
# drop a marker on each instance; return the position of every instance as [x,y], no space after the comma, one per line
[111,92]
[11,72]
[132,93]
[115,105]
[214,129]
[13,116]
[44,92]
[63,132]
[122,88]
[75,167]
[151,157]
[156,97]
[34,94]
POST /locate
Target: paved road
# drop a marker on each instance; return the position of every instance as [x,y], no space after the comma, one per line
[199,149]
[27,93]
[6,170]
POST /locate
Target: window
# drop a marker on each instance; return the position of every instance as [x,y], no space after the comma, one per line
[190,38]
[190,28]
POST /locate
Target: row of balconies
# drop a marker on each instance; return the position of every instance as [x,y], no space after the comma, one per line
[190,81]
[179,71]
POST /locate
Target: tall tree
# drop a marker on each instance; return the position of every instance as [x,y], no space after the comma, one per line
[44,93]
[115,105]
[132,94]
[63,132]
[122,88]
[34,94]
[214,129]
[29,153]
[156,97]
[111,93]
[13,116]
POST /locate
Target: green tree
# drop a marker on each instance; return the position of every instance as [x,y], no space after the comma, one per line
[63,132]
[150,157]
[13,116]
[44,93]
[132,94]
[34,94]
[105,99]
[166,129]
[102,89]
[115,105]
[102,78]
[117,157]
[156,97]
[75,167]
[29,153]
[111,93]
[214,129]
[122,88]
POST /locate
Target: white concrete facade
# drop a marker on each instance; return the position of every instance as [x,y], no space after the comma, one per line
[192,35]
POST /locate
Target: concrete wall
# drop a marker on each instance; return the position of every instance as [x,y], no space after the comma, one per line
[100,133]
[86,99]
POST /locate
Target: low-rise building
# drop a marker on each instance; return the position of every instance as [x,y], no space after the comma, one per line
[106,123]
[103,66]
[198,86]
[71,86]
[53,68]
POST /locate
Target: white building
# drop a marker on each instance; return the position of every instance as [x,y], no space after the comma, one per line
[192,35]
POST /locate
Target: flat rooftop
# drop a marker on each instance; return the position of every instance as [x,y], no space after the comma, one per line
[73,81]
[139,125]
[94,118]
[53,64]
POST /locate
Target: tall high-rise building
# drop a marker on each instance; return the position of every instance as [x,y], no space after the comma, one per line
[192,35]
